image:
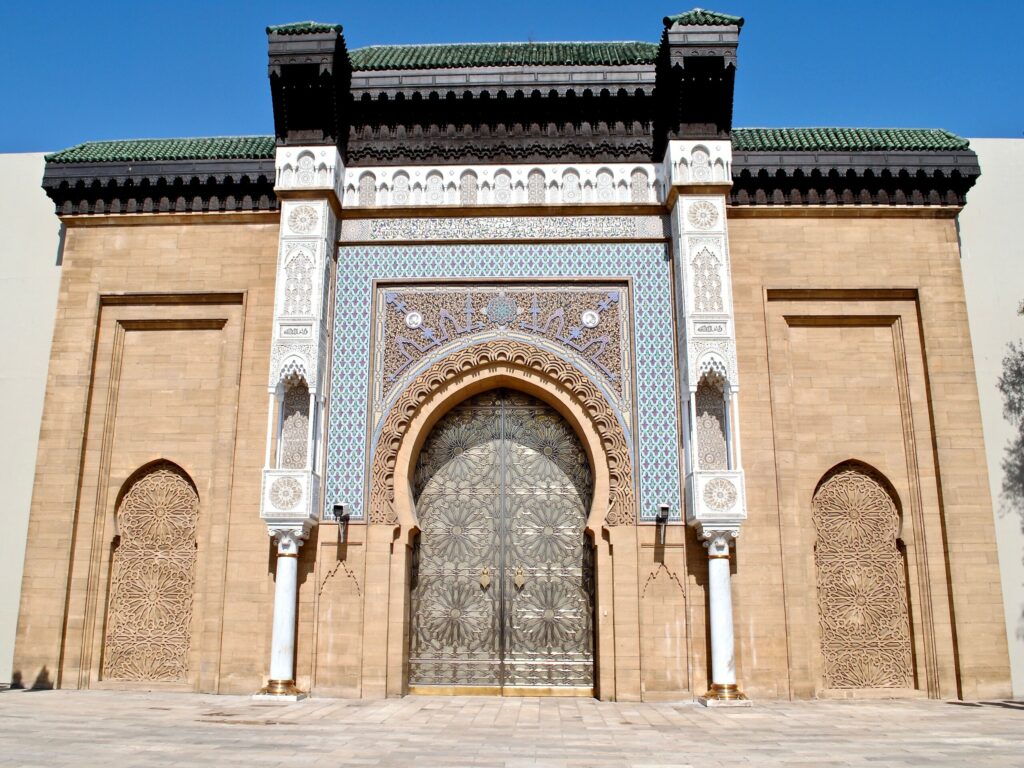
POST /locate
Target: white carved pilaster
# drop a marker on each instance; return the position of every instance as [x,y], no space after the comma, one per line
[309,184]
[699,173]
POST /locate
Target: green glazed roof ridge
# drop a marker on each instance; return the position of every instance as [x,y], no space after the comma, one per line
[701,17]
[833,139]
[502,54]
[303,28]
[250,147]
[262,147]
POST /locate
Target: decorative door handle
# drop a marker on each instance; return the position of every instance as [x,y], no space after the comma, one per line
[520,578]
[485,578]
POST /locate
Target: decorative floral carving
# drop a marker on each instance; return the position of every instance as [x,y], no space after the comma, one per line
[367,189]
[468,188]
[707,282]
[295,427]
[703,214]
[285,493]
[306,175]
[621,501]
[700,165]
[639,186]
[400,193]
[504,227]
[535,187]
[862,598]
[720,495]
[303,219]
[152,579]
[571,190]
[435,189]
[298,286]
[502,188]
[711,444]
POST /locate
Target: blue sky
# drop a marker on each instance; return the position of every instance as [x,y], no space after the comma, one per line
[75,71]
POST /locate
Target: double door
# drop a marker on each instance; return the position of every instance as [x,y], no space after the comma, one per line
[502,589]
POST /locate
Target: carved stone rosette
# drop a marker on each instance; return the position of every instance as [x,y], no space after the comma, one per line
[621,501]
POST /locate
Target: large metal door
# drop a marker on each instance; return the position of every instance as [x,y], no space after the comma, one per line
[502,590]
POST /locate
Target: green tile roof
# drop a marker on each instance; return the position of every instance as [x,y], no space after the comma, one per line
[845,140]
[303,28]
[135,150]
[380,57]
[743,140]
[699,17]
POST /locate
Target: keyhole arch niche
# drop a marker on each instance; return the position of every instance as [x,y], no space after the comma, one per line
[393,522]
[148,634]
[860,572]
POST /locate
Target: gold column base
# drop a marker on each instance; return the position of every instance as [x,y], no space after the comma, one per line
[280,688]
[724,695]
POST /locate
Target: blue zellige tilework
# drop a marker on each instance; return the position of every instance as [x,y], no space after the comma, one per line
[645,263]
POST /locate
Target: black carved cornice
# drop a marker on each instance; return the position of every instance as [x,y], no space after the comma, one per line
[178,186]
[853,178]
[502,127]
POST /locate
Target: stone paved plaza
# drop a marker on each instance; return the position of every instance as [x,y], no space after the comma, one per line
[56,728]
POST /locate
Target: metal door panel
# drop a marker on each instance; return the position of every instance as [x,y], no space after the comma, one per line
[502,592]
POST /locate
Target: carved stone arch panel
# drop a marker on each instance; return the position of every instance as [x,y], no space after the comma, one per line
[149,614]
[510,360]
[862,596]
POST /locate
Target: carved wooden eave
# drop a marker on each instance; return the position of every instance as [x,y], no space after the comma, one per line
[853,178]
[178,186]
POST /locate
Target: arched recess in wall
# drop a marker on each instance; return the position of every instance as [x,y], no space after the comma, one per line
[862,594]
[153,573]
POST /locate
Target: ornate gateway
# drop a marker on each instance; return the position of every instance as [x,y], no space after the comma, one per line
[502,582]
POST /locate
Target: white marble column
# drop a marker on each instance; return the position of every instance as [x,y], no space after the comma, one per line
[723,689]
[282,649]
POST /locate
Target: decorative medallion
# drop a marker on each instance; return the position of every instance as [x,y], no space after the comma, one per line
[720,494]
[702,214]
[413,320]
[303,219]
[501,310]
[285,493]
[307,173]
[590,319]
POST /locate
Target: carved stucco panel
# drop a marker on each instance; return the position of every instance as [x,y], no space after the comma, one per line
[152,579]
[862,596]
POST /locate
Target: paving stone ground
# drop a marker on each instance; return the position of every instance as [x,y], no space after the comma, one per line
[122,730]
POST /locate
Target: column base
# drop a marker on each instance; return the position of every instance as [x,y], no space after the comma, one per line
[728,695]
[279,690]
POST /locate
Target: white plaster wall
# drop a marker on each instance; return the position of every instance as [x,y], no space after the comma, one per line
[29,281]
[992,248]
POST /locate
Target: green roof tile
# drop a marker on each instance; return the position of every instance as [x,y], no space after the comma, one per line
[303,28]
[699,17]
[743,140]
[381,57]
[845,140]
[135,150]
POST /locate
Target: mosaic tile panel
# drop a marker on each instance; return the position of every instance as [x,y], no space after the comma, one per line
[646,263]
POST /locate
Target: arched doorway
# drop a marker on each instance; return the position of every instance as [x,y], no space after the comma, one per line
[502,582]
